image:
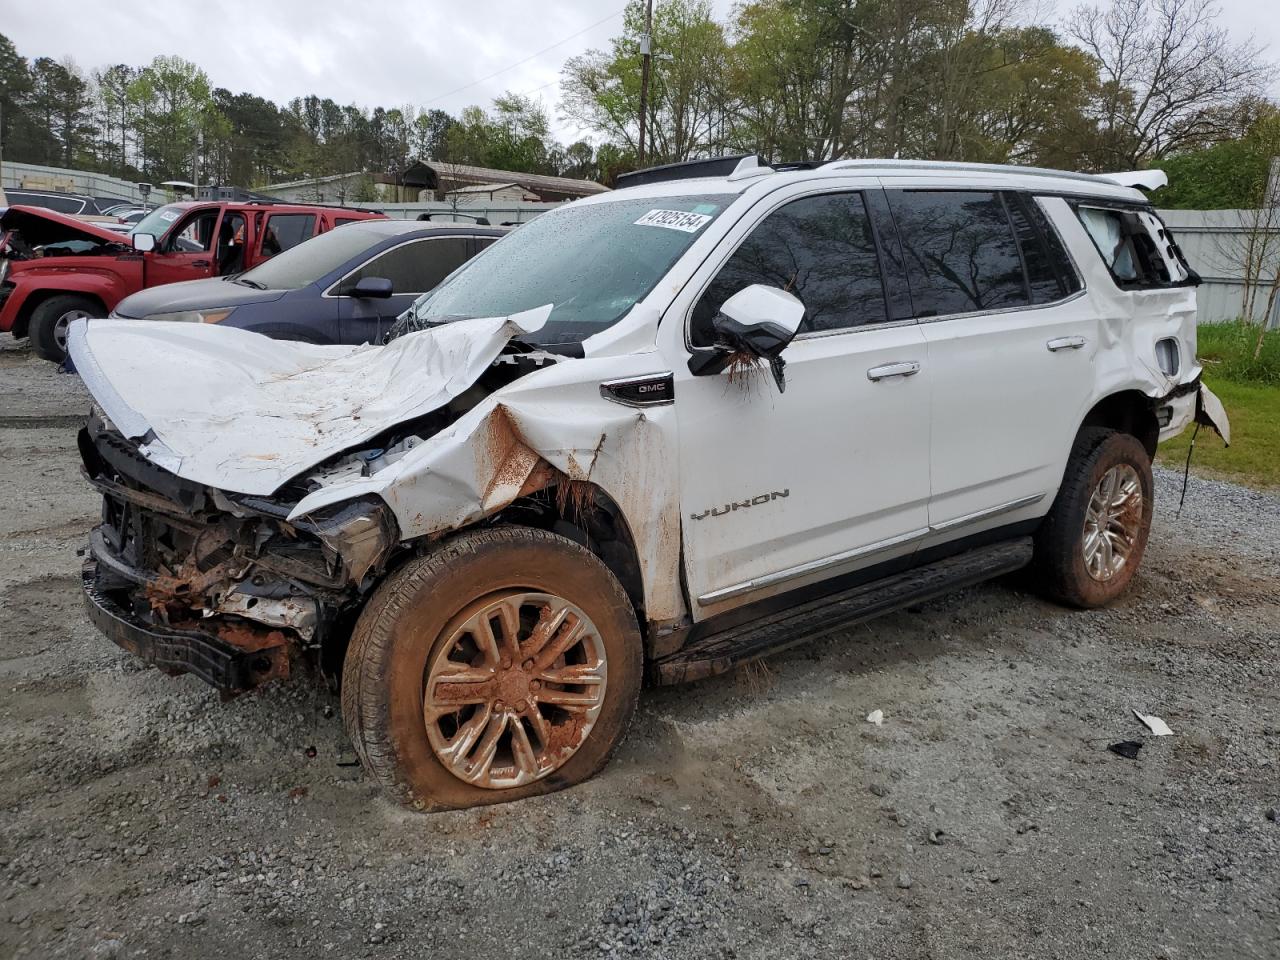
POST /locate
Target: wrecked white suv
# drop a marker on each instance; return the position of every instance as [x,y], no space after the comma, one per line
[653,433]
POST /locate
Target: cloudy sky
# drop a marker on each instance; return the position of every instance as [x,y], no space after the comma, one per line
[376,52]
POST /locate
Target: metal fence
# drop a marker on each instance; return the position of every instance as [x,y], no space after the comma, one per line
[16,176]
[1215,243]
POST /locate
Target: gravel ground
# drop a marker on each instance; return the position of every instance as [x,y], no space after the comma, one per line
[755,815]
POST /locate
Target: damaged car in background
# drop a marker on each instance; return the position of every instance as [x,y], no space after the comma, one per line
[650,435]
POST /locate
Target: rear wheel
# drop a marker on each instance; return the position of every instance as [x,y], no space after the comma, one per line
[1091,543]
[51,320]
[505,664]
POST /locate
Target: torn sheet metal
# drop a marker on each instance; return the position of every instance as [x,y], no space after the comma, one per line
[1211,412]
[549,425]
[227,408]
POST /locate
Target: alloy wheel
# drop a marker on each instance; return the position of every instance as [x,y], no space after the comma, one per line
[515,689]
[1113,522]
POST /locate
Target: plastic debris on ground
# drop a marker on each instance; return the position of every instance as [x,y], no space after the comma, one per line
[876,717]
[1126,748]
[1153,723]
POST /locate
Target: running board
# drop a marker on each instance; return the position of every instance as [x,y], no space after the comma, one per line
[722,651]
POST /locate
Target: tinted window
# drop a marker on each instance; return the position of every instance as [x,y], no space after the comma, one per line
[960,251]
[414,267]
[285,231]
[50,201]
[343,221]
[1050,274]
[822,249]
[298,267]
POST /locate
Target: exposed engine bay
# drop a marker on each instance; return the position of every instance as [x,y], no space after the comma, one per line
[175,556]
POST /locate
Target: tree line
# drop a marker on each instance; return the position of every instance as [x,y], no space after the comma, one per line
[1121,86]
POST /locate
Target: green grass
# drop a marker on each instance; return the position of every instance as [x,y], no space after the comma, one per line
[1250,390]
[1226,350]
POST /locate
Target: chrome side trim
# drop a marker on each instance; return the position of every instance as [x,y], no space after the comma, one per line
[825,563]
[980,515]
[812,566]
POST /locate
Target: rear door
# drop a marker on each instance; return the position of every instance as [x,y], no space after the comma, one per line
[279,232]
[1010,343]
[413,267]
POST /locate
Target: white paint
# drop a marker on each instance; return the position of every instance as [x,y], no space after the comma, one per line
[1153,723]
[868,470]
[233,410]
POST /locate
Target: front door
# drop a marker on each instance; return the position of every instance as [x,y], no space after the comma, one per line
[783,489]
[187,252]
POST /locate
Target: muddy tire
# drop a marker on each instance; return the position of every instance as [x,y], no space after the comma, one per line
[49,321]
[505,664]
[1093,539]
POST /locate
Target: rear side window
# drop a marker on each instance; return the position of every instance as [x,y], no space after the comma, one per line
[961,252]
[285,231]
[414,267]
[822,249]
[1050,273]
[1136,247]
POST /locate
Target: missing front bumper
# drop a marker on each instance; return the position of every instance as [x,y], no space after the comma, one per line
[233,659]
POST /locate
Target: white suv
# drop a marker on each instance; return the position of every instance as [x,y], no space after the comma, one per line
[653,433]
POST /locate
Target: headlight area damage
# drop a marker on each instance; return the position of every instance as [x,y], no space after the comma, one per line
[220,585]
[252,499]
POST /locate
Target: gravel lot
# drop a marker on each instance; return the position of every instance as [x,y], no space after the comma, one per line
[756,815]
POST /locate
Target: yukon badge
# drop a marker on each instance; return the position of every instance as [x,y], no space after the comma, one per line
[755,501]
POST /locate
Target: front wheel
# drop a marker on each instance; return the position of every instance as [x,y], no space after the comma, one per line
[504,664]
[1093,539]
[51,319]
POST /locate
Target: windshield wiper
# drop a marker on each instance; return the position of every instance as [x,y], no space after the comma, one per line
[250,283]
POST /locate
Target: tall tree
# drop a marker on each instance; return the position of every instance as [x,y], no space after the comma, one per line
[686,100]
[1172,77]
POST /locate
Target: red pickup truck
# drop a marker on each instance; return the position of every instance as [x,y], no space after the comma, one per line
[55,268]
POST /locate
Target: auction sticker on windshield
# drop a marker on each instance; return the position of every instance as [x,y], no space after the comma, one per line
[674,220]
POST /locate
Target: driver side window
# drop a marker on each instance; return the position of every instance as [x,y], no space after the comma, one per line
[195,234]
[822,249]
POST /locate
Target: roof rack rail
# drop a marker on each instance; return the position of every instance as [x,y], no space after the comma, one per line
[262,202]
[685,170]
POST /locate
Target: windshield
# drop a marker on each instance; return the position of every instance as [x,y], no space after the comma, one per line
[158,221]
[312,259]
[592,262]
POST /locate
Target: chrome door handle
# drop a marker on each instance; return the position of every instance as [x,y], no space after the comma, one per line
[905,368]
[1065,343]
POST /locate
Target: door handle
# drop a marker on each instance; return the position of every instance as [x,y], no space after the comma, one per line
[904,368]
[1065,343]
[199,263]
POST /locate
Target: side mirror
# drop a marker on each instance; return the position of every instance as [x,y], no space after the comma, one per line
[757,322]
[143,242]
[372,288]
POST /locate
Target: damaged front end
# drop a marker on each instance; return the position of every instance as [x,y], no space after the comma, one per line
[222,586]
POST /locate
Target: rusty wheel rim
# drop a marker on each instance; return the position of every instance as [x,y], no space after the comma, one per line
[515,689]
[1112,522]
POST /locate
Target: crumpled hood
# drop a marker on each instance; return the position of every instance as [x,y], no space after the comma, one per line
[207,294]
[234,410]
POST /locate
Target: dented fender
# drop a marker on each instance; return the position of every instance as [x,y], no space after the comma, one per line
[548,425]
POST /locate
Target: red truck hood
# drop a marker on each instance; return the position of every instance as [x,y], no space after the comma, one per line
[39,227]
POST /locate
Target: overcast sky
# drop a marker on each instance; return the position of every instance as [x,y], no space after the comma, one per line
[376,52]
